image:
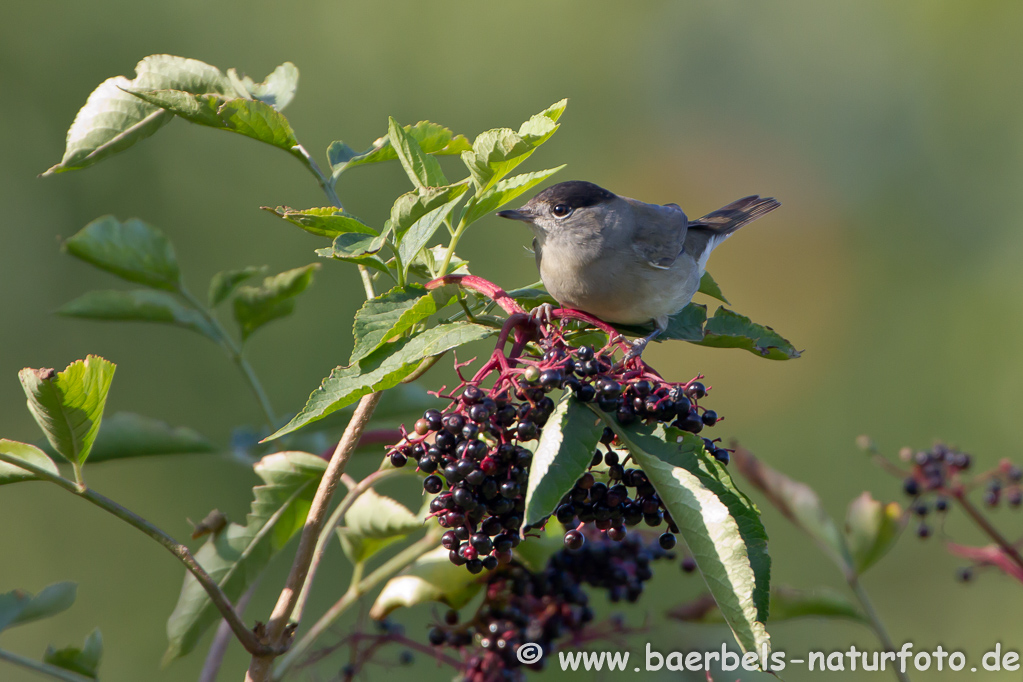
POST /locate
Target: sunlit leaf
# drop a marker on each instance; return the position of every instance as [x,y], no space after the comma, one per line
[432,139]
[727,329]
[382,369]
[389,315]
[503,192]
[431,578]
[10,472]
[422,169]
[422,231]
[562,455]
[68,405]
[277,90]
[132,250]
[373,522]
[411,206]
[273,299]
[124,434]
[871,529]
[327,221]
[238,554]
[139,305]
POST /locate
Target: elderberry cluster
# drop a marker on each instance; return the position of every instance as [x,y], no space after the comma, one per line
[477,467]
[543,607]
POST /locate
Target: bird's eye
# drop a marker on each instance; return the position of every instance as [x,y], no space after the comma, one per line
[561,210]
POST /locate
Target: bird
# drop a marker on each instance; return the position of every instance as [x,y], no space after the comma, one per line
[623,260]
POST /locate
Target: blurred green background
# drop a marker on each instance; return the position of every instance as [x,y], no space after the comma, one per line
[891,132]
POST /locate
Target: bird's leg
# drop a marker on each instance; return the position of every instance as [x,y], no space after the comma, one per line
[639,345]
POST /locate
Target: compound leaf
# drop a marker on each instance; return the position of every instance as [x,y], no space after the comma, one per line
[132,250]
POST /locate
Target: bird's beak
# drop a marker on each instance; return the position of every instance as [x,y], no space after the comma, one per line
[524,216]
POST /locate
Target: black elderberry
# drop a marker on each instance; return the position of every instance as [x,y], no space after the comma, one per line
[471,395]
[428,464]
[433,484]
[710,417]
[585,393]
[422,427]
[437,636]
[574,540]
[398,460]
[666,541]
[584,353]
[911,487]
[696,390]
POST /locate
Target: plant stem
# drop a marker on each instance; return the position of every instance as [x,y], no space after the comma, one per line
[325,183]
[42,668]
[352,595]
[875,621]
[354,491]
[183,554]
[222,638]
[234,351]
[277,628]
[988,529]
[459,231]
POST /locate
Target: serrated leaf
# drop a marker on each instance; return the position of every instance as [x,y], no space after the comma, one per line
[719,524]
[495,153]
[84,661]
[225,282]
[389,315]
[132,250]
[786,604]
[68,405]
[798,503]
[113,120]
[432,139]
[431,578]
[422,231]
[685,325]
[710,288]
[426,262]
[238,554]
[273,299]
[382,369]
[139,305]
[562,455]
[411,206]
[249,117]
[327,221]
[355,245]
[373,522]
[125,434]
[727,329]
[871,529]
[503,192]
[422,169]
[19,607]
[12,473]
[277,89]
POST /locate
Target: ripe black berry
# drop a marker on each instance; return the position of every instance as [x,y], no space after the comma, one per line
[666,541]
[574,540]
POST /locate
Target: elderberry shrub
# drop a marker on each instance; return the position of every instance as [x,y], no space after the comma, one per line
[476,465]
[543,607]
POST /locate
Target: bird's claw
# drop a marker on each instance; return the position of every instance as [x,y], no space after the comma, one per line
[637,349]
[542,313]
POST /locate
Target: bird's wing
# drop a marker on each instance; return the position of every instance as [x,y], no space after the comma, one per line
[660,233]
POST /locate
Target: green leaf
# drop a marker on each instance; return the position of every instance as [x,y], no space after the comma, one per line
[798,503]
[323,222]
[426,262]
[564,452]
[12,473]
[373,522]
[124,434]
[503,192]
[273,299]
[248,117]
[495,153]
[422,169]
[382,369]
[422,231]
[132,250]
[238,554]
[710,288]
[871,529]
[277,90]
[84,661]
[19,607]
[432,577]
[432,139]
[411,206]
[113,120]
[727,329]
[139,305]
[719,524]
[225,282]
[786,604]
[389,315]
[68,405]
[355,245]
[686,325]
[539,545]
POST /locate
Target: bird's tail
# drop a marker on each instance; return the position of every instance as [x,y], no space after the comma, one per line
[730,218]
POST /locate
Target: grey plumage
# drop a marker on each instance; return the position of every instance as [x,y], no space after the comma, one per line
[624,260]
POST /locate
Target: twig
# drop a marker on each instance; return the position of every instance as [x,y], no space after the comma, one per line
[183,554]
[276,629]
[988,529]
[222,638]
[875,621]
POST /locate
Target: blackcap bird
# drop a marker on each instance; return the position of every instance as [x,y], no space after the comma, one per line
[621,259]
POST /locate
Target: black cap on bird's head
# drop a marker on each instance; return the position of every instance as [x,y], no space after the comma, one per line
[560,200]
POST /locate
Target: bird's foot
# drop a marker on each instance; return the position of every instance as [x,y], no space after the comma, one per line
[639,345]
[542,313]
